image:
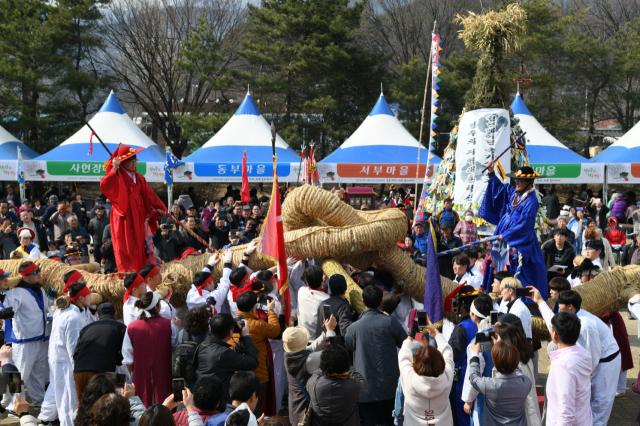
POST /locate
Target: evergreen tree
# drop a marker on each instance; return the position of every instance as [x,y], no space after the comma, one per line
[309,66]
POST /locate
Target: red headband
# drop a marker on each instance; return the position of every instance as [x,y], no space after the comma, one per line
[188,252]
[84,292]
[237,290]
[204,284]
[152,273]
[137,283]
[72,280]
[29,269]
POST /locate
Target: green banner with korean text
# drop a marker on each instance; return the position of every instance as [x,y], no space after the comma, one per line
[570,173]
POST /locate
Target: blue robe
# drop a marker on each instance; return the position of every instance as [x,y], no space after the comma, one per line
[517,227]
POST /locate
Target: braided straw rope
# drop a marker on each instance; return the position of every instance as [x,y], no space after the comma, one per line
[319,225]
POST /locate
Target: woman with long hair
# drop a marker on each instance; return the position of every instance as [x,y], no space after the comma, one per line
[509,333]
[147,347]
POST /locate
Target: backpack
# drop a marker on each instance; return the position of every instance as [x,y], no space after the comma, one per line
[182,359]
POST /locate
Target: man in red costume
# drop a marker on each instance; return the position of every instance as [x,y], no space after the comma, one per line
[133,201]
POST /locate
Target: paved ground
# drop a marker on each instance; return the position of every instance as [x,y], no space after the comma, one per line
[625,409]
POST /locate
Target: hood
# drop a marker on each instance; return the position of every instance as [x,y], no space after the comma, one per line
[613,221]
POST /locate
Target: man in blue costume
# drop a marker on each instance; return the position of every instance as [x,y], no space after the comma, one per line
[514,211]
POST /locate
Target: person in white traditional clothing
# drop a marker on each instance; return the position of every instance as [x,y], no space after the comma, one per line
[26,247]
[461,267]
[65,332]
[593,250]
[236,278]
[134,288]
[204,286]
[598,340]
[495,286]
[27,331]
[152,279]
[514,305]
[584,272]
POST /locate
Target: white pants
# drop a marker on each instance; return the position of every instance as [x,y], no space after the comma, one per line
[64,391]
[30,359]
[622,383]
[604,382]
[48,412]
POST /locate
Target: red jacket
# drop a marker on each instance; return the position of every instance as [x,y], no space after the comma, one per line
[614,234]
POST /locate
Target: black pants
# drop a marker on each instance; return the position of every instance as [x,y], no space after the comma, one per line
[97,254]
[376,413]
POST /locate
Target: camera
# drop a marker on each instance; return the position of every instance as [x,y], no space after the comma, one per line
[6,313]
[239,324]
[262,302]
[209,304]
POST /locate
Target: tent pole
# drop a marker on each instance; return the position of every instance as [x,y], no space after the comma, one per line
[605,196]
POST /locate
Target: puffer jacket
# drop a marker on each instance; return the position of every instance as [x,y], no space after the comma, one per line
[614,234]
[260,331]
[618,208]
[181,419]
[334,401]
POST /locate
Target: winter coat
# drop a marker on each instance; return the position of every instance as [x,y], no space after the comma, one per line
[341,311]
[373,340]
[422,391]
[567,258]
[185,201]
[627,253]
[107,251]
[206,216]
[618,208]
[219,237]
[552,204]
[76,208]
[190,241]
[168,247]
[600,216]
[614,233]
[60,224]
[260,331]
[8,243]
[636,222]
[335,401]
[96,229]
[180,417]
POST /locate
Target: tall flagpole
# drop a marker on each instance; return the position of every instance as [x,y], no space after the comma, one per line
[424,105]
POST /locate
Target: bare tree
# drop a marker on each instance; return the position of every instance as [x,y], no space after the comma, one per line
[402,28]
[144,42]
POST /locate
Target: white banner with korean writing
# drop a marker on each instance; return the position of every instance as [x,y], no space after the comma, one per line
[482,135]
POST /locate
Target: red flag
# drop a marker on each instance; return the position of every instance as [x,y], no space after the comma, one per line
[245,180]
[271,244]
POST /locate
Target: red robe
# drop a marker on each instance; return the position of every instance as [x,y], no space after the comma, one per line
[151,341]
[132,203]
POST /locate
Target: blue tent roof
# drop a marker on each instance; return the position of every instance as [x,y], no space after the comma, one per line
[542,147]
[113,126]
[9,147]
[380,139]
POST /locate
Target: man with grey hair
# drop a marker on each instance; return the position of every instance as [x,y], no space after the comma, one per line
[563,221]
[79,233]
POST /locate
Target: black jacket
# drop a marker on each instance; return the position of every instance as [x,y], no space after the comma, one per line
[340,309]
[107,251]
[190,241]
[42,234]
[99,348]
[96,229]
[567,259]
[219,237]
[8,243]
[627,253]
[552,204]
[168,247]
[216,358]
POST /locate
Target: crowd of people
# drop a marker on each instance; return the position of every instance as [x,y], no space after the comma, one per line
[228,358]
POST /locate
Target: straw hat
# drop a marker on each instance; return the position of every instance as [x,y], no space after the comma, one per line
[295,339]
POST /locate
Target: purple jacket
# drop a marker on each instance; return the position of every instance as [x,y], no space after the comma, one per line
[618,208]
[207,214]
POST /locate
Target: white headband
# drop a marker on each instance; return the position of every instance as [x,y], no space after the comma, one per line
[152,305]
[476,311]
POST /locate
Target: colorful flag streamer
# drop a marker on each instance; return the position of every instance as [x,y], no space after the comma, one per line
[171,163]
[314,178]
[435,71]
[20,171]
[245,196]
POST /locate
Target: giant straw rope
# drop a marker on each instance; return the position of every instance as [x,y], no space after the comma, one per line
[319,225]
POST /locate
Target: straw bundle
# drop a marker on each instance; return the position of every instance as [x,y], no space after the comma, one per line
[319,225]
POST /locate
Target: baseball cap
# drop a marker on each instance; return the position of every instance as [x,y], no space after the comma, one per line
[191,207]
[106,308]
[99,206]
[24,200]
[4,274]
[418,222]
[445,225]
[246,207]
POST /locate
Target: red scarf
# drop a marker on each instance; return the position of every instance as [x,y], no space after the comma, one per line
[237,290]
[204,284]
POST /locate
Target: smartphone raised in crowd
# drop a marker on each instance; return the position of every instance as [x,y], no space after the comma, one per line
[178,386]
[494,317]
[117,379]
[422,318]
[326,309]
[523,292]
[15,383]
